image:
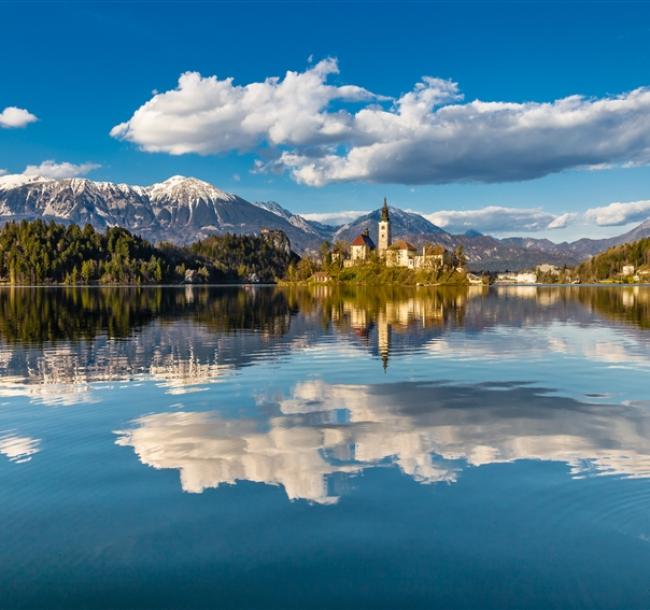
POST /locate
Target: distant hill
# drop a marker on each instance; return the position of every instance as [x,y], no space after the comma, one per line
[405,225]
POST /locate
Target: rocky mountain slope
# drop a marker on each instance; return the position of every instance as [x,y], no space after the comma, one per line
[179,209]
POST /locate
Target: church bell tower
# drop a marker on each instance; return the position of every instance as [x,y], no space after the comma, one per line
[384,230]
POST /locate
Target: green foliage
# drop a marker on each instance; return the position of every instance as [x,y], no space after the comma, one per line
[609,264]
[375,272]
[37,252]
[247,257]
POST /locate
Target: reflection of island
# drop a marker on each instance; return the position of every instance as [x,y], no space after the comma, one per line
[430,431]
[55,343]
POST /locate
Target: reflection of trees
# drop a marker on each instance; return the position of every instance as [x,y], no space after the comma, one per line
[34,316]
[627,304]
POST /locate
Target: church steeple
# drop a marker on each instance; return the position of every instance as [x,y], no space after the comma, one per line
[384,240]
[384,211]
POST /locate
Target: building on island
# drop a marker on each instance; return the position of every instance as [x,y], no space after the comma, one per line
[399,253]
[361,247]
[385,237]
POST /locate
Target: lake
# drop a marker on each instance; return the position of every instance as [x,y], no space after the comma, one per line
[266,447]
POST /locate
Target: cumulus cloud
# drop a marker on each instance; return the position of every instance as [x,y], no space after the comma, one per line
[12,116]
[425,136]
[498,219]
[335,218]
[618,213]
[3,172]
[208,115]
[52,169]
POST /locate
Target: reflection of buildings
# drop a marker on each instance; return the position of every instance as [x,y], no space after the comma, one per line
[430,431]
[418,311]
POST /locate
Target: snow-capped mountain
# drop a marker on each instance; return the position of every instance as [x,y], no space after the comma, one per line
[179,209]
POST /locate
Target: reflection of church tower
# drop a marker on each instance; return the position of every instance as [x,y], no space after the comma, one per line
[384,230]
[383,338]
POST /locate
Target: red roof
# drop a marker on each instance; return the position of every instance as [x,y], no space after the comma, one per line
[363,240]
[400,244]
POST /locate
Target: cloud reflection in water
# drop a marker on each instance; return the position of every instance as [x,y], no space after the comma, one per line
[430,431]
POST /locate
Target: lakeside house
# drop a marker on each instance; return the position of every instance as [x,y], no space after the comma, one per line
[522,277]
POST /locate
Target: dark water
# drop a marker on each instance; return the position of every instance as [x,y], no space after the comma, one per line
[269,448]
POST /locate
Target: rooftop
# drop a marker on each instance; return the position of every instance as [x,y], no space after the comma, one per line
[363,240]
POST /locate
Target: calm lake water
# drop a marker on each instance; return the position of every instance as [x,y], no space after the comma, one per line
[284,448]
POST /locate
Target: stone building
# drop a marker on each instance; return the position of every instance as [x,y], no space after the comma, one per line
[385,237]
[401,254]
[361,247]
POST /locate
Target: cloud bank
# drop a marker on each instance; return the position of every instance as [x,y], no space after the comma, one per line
[12,116]
[497,219]
[321,133]
[335,218]
[617,213]
[52,169]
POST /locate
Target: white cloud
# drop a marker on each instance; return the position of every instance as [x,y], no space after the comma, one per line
[12,116]
[335,218]
[618,213]
[52,169]
[3,172]
[498,219]
[208,115]
[427,135]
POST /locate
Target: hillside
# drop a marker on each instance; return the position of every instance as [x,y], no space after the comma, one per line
[35,252]
[618,263]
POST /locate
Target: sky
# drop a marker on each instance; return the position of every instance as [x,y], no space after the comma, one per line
[512,118]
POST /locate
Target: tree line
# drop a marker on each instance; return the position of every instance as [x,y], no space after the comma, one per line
[38,252]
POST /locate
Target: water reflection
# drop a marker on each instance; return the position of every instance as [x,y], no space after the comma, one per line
[18,449]
[55,344]
[430,431]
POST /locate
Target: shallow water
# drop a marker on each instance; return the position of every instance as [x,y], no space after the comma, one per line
[280,448]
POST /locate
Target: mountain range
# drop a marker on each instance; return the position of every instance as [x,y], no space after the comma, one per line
[182,210]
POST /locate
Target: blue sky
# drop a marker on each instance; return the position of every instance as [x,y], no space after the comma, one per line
[84,68]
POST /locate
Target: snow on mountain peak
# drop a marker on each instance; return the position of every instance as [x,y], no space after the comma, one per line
[11,181]
[187,190]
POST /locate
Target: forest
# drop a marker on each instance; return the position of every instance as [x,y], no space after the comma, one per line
[37,252]
[608,265]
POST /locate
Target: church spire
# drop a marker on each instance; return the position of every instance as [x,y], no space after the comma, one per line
[384,210]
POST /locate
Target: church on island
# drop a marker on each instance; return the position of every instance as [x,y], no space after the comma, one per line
[399,253]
